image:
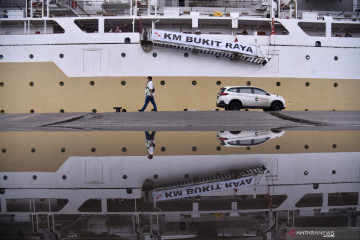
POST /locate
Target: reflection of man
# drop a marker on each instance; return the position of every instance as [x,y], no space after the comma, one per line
[150,143]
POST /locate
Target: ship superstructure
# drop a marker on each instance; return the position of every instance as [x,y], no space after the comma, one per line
[84,56]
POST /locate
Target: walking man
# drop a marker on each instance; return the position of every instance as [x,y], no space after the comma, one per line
[149,95]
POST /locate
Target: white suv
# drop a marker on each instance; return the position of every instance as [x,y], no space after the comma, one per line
[237,97]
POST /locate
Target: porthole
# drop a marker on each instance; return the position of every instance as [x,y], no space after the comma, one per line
[63,150]
[31,84]
[93,149]
[62,110]
[315,185]
[61,55]
[33,150]
[278,84]
[5,177]
[194,148]
[61,83]
[127,40]
[123,82]
[31,56]
[64,177]
[3,150]
[248,83]
[334,146]
[336,84]
[129,190]
[307,57]
[306,146]
[186,175]
[218,83]
[248,148]
[124,176]
[92,83]
[32,111]
[194,82]
[156,176]
[154,54]
[34,177]
[94,110]
[336,58]
[277,147]
[124,110]
[162,82]
[306,110]
[306,173]
[163,149]
[307,84]
[1,56]
[218,148]
[2,84]
[333,172]
[186,54]
[124,149]
[2,111]
[123,55]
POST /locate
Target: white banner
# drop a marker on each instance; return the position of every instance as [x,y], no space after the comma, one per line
[202,41]
[196,190]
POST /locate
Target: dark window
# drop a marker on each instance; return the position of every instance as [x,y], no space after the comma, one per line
[235,90]
[260,92]
[245,90]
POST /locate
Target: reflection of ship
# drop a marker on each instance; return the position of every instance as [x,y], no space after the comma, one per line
[247,138]
[71,51]
[93,196]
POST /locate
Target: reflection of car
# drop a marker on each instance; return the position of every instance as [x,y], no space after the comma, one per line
[238,97]
[246,138]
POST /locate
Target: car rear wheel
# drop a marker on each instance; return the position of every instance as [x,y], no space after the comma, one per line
[235,106]
[276,106]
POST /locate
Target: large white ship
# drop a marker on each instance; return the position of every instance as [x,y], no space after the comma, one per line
[90,56]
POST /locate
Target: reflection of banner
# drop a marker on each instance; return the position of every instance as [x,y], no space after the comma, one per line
[202,188]
[201,41]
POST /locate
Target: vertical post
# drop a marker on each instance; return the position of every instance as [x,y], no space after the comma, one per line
[44,26]
[131,7]
[295,8]
[25,25]
[47,8]
[42,8]
[31,8]
[278,8]
[3,205]
[155,7]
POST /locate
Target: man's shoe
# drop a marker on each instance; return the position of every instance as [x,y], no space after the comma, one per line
[153,110]
[140,110]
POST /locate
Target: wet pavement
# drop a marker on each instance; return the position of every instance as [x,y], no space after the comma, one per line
[182,121]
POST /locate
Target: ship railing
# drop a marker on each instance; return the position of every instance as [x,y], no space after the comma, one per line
[233,174]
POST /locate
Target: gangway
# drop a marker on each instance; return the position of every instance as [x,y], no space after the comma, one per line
[199,44]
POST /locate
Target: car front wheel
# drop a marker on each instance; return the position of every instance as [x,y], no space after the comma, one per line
[235,106]
[276,106]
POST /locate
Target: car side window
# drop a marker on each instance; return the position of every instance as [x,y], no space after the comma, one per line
[259,92]
[235,90]
[245,90]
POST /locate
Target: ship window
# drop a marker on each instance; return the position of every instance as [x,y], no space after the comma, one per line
[313,29]
[345,30]
[343,198]
[118,25]
[310,200]
[30,27]
[88,25]
[91,205]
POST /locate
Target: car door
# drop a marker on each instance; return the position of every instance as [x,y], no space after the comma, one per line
[261,98]
[246,96]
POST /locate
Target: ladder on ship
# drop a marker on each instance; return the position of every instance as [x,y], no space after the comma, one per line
[147,44]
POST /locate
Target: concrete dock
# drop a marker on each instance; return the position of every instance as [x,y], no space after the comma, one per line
[182,121]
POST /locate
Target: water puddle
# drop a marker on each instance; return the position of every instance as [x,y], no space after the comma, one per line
[176,184]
